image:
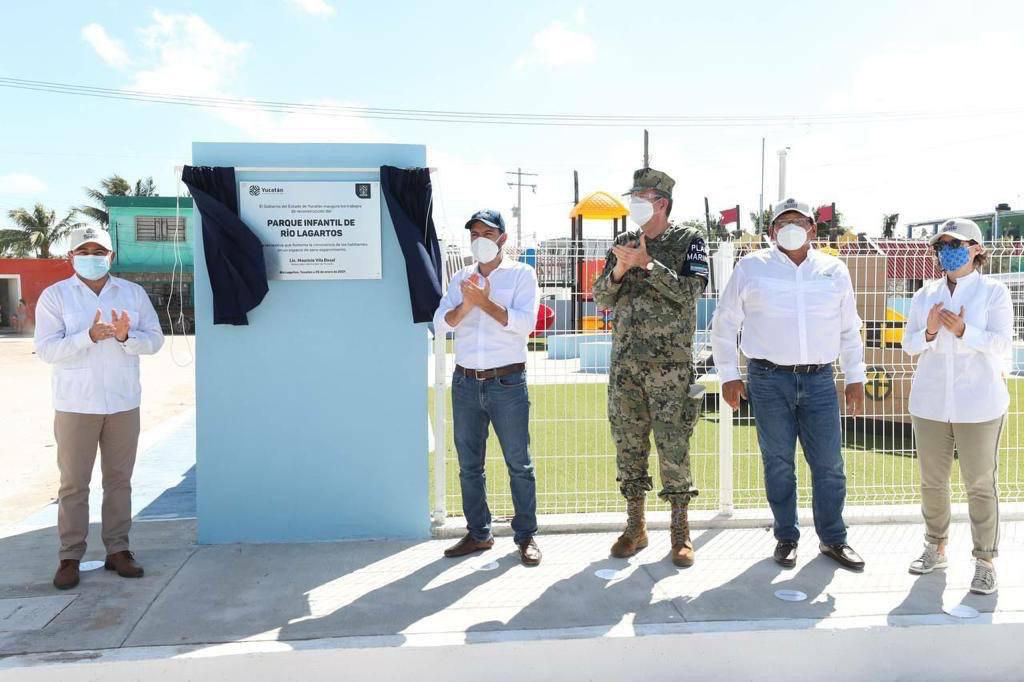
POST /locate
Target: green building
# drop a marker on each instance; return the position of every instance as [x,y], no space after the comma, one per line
[153,238]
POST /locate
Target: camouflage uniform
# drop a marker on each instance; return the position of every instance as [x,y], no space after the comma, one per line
[652,355]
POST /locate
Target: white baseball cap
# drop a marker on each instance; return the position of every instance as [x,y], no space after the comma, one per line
[95,235]
[792,205]
[960,228]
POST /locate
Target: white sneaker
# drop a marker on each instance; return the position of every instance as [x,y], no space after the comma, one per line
[929,560]
[984,578]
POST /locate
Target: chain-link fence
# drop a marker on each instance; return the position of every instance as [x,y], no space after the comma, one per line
[567,372]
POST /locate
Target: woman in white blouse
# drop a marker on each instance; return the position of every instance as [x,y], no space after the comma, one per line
[962,327]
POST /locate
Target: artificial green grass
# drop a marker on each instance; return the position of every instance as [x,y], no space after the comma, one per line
[574,456]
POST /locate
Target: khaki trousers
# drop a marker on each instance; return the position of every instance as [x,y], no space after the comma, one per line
[78,435]
[977,447]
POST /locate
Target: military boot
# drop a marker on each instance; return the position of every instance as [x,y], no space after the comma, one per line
[634,538]
[682,548]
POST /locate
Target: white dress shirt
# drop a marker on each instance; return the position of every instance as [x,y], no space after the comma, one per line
[961,380]
[789,314]
[94,378]
[481,342]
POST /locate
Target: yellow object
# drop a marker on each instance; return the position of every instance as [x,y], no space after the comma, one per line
[828,250]
[599,205]
[593,323]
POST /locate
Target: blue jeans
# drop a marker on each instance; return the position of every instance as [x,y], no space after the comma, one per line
[788,406]
[505,404]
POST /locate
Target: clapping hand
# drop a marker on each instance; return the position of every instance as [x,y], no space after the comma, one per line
[954,323]
[476,290]
[100,330]
[121,324]
[631,255]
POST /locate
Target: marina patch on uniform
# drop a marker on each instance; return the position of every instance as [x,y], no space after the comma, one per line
[697,259]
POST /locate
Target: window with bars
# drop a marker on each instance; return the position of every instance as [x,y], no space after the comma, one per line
[154,229]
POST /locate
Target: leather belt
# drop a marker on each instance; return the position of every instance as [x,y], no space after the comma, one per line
[484,374]
[796,369]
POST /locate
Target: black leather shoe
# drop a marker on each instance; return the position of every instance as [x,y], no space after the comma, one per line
[785,553]
[844,555]
[529,552]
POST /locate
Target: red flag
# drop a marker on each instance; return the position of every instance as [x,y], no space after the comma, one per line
[824,214]
[730,215]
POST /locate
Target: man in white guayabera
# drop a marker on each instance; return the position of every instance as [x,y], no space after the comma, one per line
[797,312]
[92,328]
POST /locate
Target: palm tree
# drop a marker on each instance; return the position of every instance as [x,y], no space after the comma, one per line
[114,186]
[37,232]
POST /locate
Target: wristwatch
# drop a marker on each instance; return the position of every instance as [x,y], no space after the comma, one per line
[650,265]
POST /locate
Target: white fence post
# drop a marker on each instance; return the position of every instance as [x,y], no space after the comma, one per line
[439,514]
[723,260]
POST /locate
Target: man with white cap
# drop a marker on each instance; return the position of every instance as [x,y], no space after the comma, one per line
[92,328]
[797,312]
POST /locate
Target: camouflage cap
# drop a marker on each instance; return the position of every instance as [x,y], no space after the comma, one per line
[647,179]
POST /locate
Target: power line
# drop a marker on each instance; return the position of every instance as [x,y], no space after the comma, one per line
[492,118]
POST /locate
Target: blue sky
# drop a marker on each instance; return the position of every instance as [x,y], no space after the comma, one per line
[659,58]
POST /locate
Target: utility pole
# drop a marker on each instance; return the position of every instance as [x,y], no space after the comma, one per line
[760,201]
[647,156]
[782,173]
[518,184]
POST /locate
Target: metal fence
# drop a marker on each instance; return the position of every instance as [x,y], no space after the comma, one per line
[567,372]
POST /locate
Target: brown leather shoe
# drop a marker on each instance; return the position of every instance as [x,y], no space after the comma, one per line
[67,574]
[125,565]
[468,545]
[529,552]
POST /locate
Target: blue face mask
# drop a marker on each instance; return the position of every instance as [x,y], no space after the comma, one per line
[952,259]
[91,267]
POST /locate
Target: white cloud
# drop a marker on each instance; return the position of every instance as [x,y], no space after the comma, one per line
[189,56]
[21,183]
[558,45]
[110,51]
[318,8]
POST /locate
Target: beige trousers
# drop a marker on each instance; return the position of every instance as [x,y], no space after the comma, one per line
[977,448]
[78,435]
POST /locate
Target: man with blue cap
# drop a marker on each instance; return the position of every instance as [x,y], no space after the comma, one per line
[491,306]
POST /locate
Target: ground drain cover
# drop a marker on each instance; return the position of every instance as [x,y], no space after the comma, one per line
[31,613]
[790,595]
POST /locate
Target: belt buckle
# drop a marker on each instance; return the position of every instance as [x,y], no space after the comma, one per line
[480,374]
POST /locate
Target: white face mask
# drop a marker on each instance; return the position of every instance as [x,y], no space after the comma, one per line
[483,249]
[640,211]
[791,237]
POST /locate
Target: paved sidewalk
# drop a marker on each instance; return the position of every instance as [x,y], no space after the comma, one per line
[391,593]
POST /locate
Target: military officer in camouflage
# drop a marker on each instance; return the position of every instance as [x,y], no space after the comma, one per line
[652,279]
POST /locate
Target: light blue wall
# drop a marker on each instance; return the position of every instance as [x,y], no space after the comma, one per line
[312,420]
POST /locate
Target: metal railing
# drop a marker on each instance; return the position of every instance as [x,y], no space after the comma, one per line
[572,447]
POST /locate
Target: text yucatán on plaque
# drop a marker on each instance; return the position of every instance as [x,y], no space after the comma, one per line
[315,230]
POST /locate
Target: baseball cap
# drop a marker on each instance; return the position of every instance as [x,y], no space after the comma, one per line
[646,179]
[960,228]
[84,235]
[488,216]
[792,205]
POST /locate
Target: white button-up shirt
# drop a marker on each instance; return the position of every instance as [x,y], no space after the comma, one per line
[789,314]
[94,378]
[961,380]
[481,342]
